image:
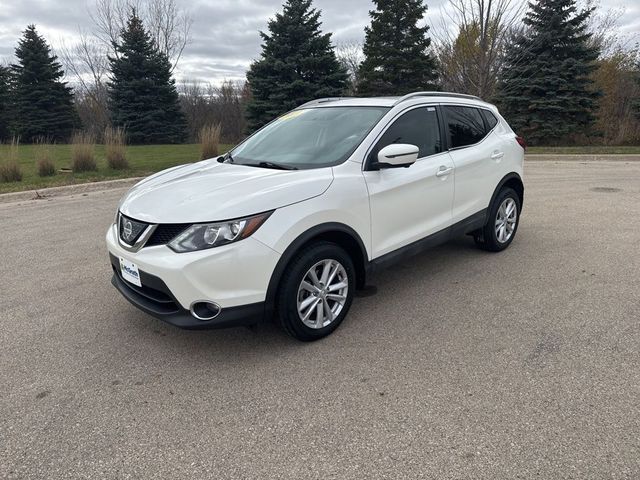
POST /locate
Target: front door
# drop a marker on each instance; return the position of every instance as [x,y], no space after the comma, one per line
[408,204]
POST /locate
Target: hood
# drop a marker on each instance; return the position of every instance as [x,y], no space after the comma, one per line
[210,191]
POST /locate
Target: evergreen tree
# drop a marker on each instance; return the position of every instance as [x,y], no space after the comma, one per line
[298,64]
[142,95]
[396,50]
[546,91]
[42,102]
[4,103]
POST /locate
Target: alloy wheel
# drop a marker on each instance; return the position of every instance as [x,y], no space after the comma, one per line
[506,219]
[322,293]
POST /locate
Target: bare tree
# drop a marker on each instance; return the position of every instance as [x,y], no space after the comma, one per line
[169,25]
[350,56]
[195,105]
[87,63]
[471,40]
[616,75]
[603,25]
[211,105]
[617,79]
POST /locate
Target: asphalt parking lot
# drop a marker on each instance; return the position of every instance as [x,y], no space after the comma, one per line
[464,364]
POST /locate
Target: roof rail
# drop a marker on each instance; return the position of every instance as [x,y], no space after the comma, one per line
[435,94]
[318,101]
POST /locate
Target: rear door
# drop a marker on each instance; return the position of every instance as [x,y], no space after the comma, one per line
[408,204]
[476,152]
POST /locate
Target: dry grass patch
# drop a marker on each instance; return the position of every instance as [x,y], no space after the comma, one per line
[46,167]
[83,158]
[10,170]
[210,141]
[115,148]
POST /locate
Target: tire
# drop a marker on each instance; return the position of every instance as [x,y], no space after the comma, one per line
[492,237]
[294,298]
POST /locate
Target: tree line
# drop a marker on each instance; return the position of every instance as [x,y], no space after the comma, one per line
[141,93]
[553,67]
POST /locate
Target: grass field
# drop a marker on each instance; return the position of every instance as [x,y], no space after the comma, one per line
[147,159]
[143,160]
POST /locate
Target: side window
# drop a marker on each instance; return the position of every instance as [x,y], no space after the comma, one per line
[489,119]
[417,127]
[465,125]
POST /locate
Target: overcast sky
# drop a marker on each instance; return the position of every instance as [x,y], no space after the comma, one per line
[225,35]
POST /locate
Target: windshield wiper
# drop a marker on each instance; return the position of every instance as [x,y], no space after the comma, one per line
[275,166]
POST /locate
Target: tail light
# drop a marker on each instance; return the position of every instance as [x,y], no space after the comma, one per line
[522,143]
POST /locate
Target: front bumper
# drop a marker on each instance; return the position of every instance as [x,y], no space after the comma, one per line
[156,299]
[234,276]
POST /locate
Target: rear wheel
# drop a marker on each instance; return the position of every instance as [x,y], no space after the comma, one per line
[316,291]
[501,227]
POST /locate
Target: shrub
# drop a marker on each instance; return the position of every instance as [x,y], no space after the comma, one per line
[82,153]
[115,150]
[10,170]
[46,167]
[210,141]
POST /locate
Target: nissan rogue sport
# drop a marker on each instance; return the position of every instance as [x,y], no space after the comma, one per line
[289,223]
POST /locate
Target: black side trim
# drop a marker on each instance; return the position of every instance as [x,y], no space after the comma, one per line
[272,290]
[468,225]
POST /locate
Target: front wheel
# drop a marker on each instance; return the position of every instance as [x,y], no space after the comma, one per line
[316,291]
[501,227]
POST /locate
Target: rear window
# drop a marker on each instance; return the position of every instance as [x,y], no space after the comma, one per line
[465,125]
[490,119]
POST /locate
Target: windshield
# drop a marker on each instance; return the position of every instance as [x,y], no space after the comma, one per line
[309,138]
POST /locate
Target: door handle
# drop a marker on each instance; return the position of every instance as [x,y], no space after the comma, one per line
[497,155]
[444,171]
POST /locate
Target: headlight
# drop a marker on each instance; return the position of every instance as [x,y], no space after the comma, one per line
[201,236]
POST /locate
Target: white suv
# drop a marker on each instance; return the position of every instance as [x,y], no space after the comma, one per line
[293,220]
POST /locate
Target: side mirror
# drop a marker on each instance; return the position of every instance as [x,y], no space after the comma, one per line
[397,155]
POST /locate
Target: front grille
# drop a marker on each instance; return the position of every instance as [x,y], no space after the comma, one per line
[130,229]
[163,234]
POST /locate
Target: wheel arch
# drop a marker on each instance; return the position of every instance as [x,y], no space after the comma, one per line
[338,233]
[511,180]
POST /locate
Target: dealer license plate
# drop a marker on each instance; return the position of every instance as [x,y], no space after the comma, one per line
[129,271]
